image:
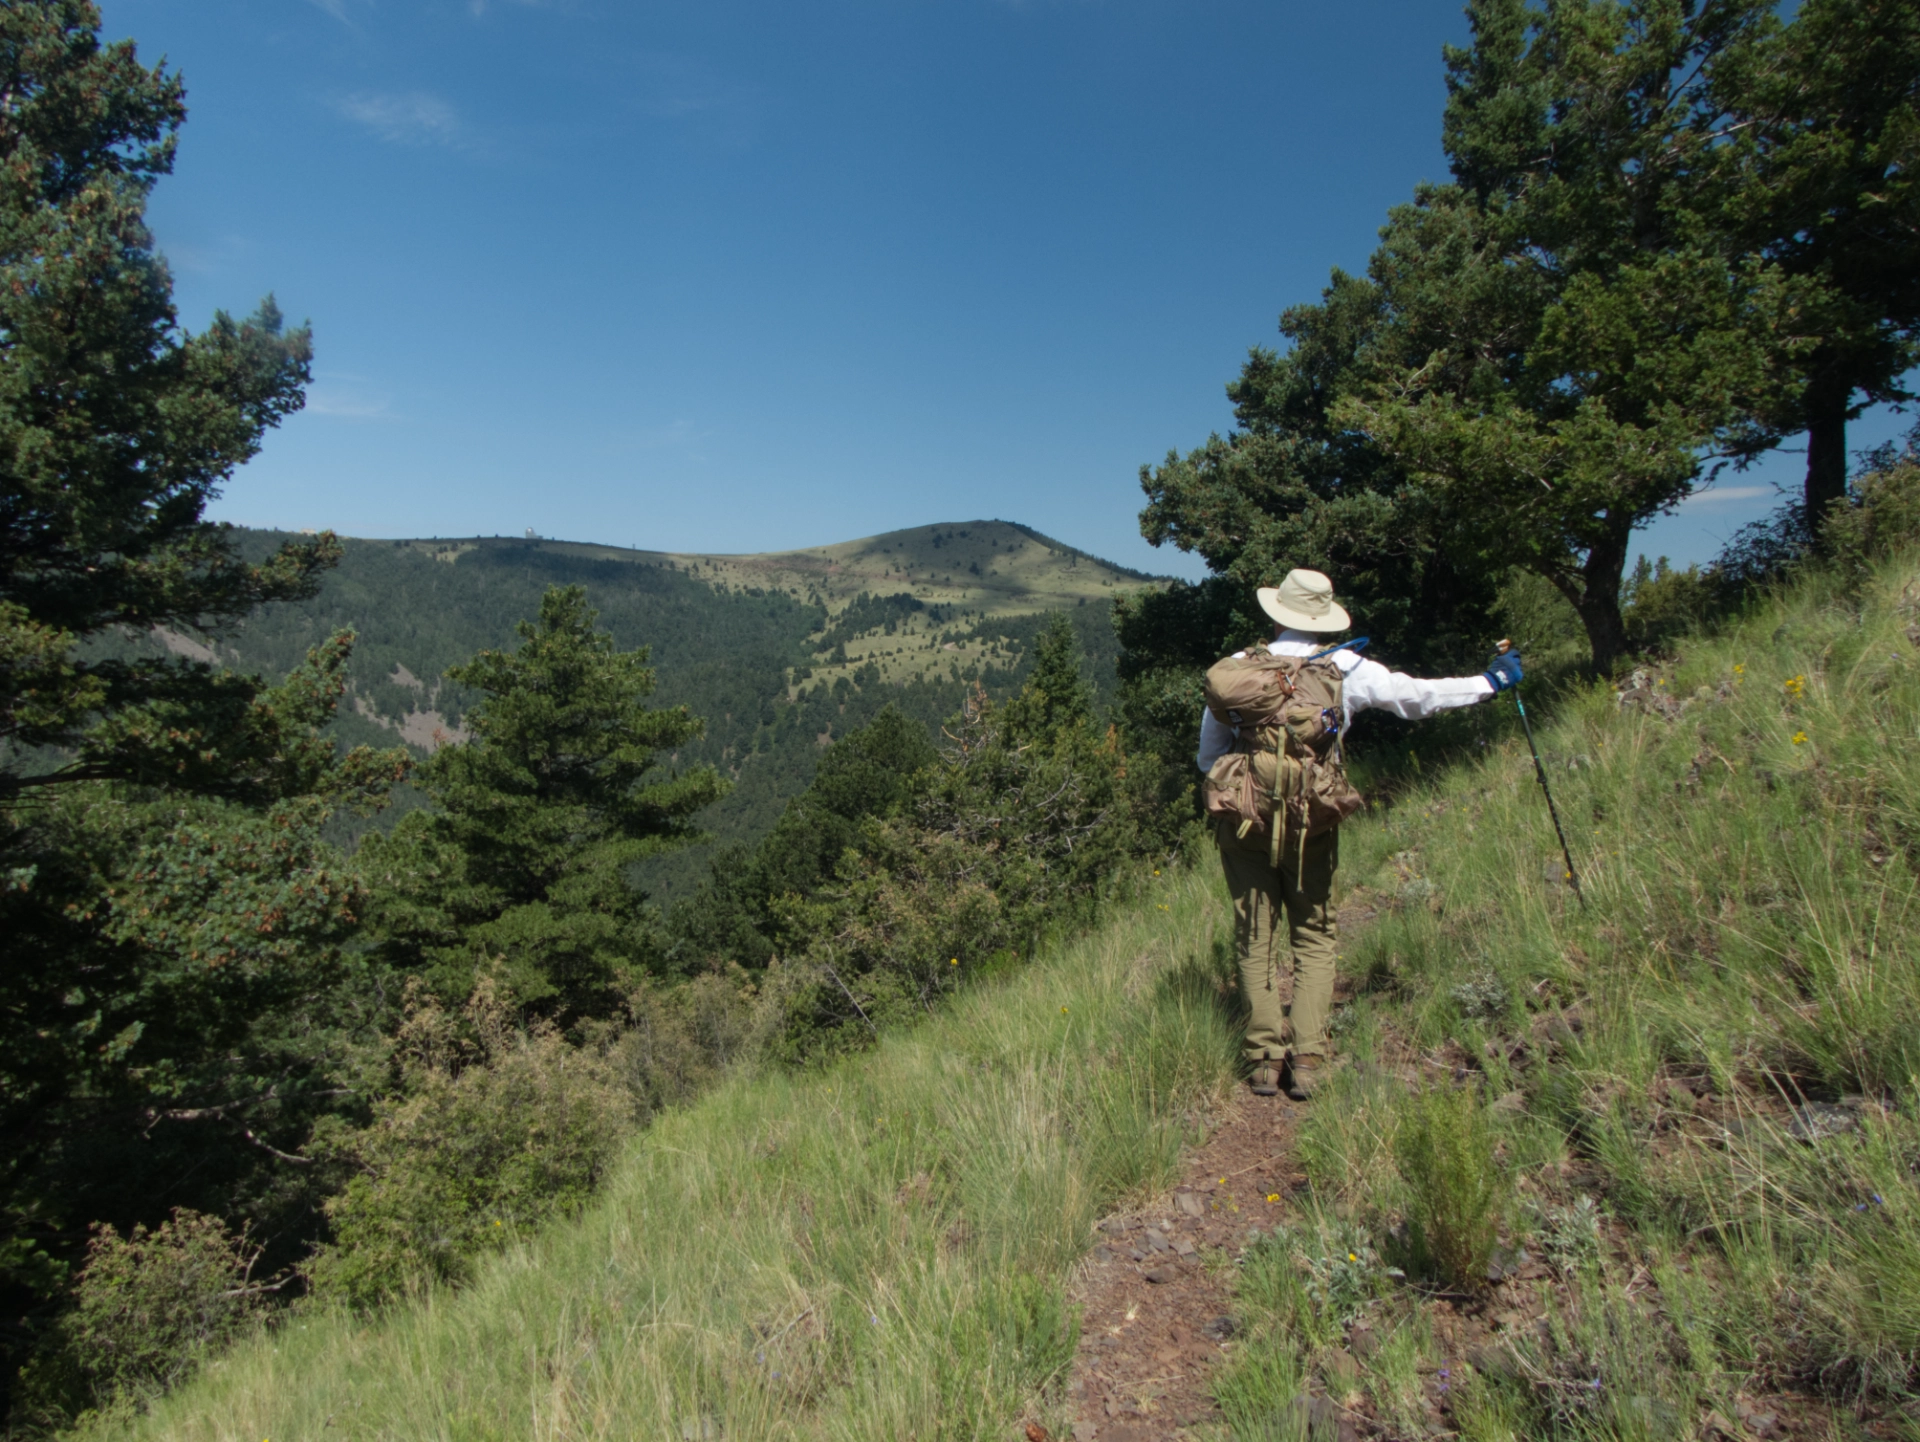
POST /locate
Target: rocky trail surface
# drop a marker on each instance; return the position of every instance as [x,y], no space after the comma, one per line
[1155,1294]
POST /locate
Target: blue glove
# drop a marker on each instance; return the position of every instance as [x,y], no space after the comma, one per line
[1505,672]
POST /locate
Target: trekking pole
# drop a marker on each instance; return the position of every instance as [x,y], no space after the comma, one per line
[1540,771]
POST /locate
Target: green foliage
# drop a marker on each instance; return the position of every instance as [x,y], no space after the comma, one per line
[1456,1189]
[1572,331]
[116,426]
[1660,603]
[1017,830]
[865,613]
[178,1006]
[1057,696]
[676,1041]
[1677,234]
[148,1310]
[1884,519]
[154,1306]
[540,821]
[496,1130]
[1295,486]
[1818,176]
[867,775]
[745,659]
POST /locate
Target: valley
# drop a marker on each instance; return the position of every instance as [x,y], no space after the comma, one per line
[779,653]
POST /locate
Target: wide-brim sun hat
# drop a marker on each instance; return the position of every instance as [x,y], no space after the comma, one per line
[1304,602]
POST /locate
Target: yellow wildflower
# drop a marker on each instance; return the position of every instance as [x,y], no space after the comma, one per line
[1799,738]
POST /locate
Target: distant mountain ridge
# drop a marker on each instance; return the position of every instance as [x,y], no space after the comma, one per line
[779,652]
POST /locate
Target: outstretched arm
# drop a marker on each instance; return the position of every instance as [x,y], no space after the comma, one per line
[1372,687]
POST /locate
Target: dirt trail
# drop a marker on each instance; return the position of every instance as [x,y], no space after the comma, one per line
[1154,1314]
[1156,1293]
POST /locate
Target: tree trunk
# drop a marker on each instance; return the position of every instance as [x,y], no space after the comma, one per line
[1826,452]
[1599,600]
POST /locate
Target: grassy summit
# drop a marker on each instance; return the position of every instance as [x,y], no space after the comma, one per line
[928,577]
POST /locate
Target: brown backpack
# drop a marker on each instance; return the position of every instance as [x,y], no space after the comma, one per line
[1288,714]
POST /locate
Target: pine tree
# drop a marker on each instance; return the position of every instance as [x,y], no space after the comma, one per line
[177,1004]
[526,860]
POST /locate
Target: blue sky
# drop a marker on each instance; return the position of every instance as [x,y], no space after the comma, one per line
[731,276]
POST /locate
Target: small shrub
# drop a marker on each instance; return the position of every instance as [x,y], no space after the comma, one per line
[679,1040]
[1603,1364]
[1570,1236]
[1480,997]
[1314,1279]
[1661,603]
[497,1130]
[148,1309]
[1456,1188]
[1885,516]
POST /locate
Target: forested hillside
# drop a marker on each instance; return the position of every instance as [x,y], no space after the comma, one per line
[778,654]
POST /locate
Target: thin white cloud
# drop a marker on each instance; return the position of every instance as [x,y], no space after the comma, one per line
[208,258]
[348,398]
[336,8]
[1720,495]
[673,86]
[414,118]
[683,438]
[699,102]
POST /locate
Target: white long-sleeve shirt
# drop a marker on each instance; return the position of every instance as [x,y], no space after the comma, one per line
[1365,686]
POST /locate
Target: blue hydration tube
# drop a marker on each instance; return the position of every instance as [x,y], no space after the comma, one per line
[1358,643]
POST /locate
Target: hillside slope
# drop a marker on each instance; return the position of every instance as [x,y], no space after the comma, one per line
[876,1250]
[1678,1194]
[778,653]
[1684,1114]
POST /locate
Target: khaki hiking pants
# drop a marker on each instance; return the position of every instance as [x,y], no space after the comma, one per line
[1288,992]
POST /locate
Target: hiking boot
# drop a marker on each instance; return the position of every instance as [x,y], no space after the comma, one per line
[1265,1080]
[1302,1073]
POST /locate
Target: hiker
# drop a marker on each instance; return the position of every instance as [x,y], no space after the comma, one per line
[1296,711]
